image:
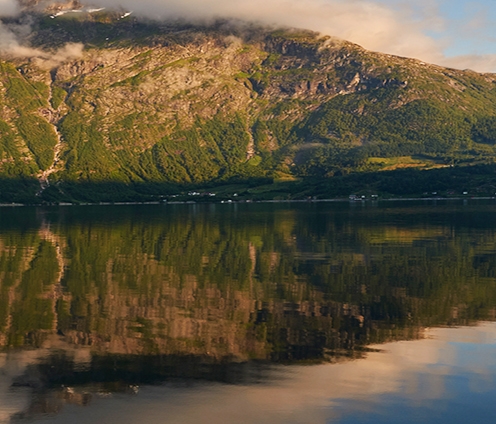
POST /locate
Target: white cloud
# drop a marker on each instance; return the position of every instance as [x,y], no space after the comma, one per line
[8,7]
[475,62]
[11,43]
[402,30]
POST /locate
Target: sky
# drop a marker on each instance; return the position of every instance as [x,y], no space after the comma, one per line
[464,30]
[455,33]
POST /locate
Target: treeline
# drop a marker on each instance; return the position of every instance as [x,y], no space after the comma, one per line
[477,180]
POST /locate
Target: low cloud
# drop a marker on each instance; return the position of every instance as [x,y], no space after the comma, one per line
[12,43]
[372,25]
[479,63]
[49,60]
[401,31]
[8,7]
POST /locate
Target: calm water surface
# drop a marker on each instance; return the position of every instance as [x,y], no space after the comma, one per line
[249,313]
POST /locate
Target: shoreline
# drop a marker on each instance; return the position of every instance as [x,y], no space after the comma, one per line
[237,202]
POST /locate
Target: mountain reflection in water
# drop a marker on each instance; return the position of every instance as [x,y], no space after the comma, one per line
[106,301]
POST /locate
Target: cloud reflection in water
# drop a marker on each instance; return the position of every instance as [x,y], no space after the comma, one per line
[408,381]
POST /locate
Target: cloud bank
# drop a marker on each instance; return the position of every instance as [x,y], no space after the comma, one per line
[8,7]
[11,41]
[12,46]
[375,26]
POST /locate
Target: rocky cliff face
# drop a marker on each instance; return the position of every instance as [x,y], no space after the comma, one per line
[157,103]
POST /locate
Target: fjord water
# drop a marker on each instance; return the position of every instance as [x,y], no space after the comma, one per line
[249,313]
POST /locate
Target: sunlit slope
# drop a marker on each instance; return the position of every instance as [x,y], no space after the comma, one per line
[149,103]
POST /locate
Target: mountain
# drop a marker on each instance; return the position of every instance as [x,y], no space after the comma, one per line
[150,109]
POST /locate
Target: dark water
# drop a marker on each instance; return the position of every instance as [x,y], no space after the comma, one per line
[248,313]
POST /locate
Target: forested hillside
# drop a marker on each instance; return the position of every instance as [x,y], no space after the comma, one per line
[153,109]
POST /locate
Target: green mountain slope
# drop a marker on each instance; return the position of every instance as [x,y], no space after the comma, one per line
[159,106]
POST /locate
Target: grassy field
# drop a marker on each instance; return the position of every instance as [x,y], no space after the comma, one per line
[402,162]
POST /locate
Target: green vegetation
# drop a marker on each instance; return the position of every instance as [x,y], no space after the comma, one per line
[39,137]
[484,131]
[22,94]
[173,113]
[58,97]
[7,139]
